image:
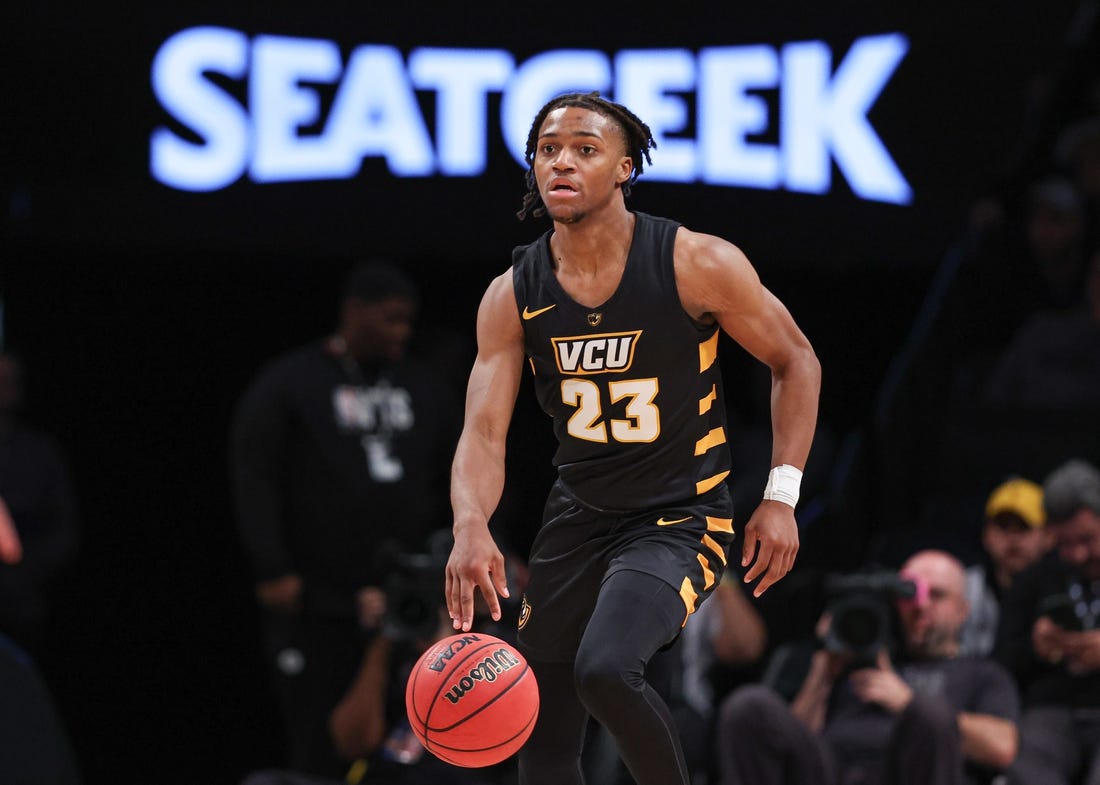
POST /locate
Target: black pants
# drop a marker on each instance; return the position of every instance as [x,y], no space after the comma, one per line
[761,743]
[1058,746]
[635,615]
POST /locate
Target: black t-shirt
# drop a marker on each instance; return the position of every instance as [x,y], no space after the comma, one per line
[859,731]
[330,461]
[1038,591]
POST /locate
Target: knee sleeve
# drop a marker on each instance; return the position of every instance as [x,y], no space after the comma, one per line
[635,615]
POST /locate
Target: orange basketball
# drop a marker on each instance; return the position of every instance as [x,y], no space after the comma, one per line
[472,699]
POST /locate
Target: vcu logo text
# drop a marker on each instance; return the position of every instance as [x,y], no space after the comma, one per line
[585,354]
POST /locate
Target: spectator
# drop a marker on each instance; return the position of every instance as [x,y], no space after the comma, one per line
[1053,361]
[1030,260]
[36,495]
[370,723]
[1055,226]
[1078,150]
[1049,637]
[340,458]
[932,717]
[1014,536]
[728,633]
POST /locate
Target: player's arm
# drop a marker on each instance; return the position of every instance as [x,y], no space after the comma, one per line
[477,475]
[715,279]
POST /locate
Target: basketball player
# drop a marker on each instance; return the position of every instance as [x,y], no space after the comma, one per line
[617,314]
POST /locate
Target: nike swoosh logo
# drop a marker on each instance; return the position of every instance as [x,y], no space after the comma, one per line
[662,522]
[532,314]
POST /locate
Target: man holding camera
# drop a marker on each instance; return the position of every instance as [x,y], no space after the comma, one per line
[1049,638]
[930,718]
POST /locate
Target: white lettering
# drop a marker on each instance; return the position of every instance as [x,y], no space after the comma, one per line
[375,113]
[732,114]
[570,354]
[819,117]
[221,123]
[618,351]
[281,106]
[283,135]
[592,361]
[462,79]
[540,79]
[644,79]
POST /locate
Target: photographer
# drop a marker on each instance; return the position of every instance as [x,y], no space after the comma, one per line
[928,718]
[368,726]
[1049,638]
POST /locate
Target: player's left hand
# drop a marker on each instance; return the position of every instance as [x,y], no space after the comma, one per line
[772,537]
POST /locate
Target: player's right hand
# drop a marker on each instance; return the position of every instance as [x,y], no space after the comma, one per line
[475,561]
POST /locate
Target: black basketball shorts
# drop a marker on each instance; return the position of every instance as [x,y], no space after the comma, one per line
[684,544]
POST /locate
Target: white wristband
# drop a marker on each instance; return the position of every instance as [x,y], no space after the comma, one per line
[783,485]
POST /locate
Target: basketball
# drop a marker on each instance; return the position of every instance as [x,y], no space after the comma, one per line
[472,700]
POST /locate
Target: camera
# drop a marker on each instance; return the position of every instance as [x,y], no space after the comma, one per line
[1074,609]
[863,618]
[414,591]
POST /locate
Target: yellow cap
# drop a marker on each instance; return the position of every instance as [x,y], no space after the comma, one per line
[1020,497]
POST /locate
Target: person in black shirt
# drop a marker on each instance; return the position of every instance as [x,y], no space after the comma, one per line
[1049,637]
[340,453]
[618,315]
[920,715]
[1014,536]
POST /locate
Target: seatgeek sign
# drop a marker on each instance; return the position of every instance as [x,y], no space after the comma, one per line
[283,133]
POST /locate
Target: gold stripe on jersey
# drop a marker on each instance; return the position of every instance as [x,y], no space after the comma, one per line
[689,596]
[708,573]
[710,482]
[531,361]
[708,401]
[713,439]
[720,525]
[708,352]
[715,548]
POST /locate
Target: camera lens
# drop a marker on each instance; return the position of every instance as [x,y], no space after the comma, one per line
[859,627]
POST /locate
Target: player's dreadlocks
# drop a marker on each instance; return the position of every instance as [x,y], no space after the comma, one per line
[639,141]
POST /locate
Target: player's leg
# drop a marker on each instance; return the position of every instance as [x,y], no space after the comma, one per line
[635,615]
[552,756]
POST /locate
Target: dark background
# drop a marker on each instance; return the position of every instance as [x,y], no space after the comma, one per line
[141,312]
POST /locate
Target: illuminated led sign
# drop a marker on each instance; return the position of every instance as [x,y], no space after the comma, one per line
[821,116]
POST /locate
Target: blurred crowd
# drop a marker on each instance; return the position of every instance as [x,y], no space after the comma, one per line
[942,626]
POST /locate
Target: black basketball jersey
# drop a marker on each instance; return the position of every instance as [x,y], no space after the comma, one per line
[633,385]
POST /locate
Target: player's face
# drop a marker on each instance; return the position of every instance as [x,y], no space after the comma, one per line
[579,163]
